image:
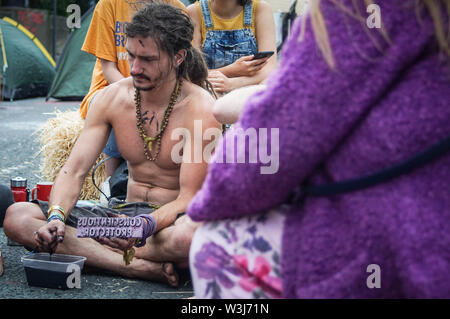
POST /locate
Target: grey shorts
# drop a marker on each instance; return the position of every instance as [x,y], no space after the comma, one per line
[115,207]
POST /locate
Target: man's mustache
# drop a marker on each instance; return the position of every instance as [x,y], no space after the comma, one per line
[142,76]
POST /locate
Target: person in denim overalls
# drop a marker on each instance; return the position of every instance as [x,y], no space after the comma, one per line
[223,47]
[230,32]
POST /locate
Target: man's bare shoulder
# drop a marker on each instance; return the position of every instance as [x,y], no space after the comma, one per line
[117,93]
[199,106]
[199,99]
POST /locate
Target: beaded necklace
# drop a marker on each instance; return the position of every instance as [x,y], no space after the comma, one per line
[148,141]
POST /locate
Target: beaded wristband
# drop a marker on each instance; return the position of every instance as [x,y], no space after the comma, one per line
[57,213]
[148,230]
[55,216]
[57,208]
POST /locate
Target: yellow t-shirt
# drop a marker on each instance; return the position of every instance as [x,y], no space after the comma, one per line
[106,40]
[235,23]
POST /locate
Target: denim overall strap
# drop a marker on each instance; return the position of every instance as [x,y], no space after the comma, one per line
[248,11]
[206,14]
[223,47]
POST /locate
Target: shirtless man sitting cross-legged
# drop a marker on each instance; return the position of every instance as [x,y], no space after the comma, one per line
[164,67]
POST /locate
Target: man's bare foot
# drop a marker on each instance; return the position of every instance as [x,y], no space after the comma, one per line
[144,269]
[170,273]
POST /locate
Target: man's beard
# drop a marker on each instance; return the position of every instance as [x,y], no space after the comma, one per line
[142,88]
[157,83]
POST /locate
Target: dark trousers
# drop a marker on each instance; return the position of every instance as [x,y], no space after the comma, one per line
[6,200]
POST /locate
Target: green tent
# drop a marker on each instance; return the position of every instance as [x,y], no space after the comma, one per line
[74,67]
[27,69]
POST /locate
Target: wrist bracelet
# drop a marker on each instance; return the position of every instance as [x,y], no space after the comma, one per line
[148,230]
[56,213]
[58,217]
[57,208]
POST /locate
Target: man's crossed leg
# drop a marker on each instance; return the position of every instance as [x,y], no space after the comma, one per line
[154,261]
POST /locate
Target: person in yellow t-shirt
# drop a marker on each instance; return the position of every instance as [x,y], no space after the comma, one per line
[230,33]
[106,40]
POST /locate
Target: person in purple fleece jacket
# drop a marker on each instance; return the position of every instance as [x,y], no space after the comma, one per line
[347,101]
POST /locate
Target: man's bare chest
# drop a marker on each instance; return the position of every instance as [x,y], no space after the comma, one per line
[160,132]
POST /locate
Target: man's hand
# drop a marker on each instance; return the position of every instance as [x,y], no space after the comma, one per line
[245,66]
[124,244]
[118,243]
[50,235]
[121,245]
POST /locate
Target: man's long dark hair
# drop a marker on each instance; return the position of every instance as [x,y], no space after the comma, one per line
[172,31]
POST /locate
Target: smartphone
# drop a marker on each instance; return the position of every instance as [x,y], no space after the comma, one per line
[263,54]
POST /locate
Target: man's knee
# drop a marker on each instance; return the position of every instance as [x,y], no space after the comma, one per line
[17,215]
[183,233]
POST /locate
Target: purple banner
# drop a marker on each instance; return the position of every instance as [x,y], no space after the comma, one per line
[107,227]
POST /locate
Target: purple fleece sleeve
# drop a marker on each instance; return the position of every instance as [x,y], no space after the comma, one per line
[313,108]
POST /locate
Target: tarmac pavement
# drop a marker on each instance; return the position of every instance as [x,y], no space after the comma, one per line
[18,148]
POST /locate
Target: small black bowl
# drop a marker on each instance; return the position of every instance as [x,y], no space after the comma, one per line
[50,271]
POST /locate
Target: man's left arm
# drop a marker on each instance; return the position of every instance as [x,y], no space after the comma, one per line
[193,170]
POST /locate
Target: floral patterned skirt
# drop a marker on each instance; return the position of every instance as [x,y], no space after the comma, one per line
[238,258]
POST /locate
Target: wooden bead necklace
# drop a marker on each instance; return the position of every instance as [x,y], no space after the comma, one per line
[148,141]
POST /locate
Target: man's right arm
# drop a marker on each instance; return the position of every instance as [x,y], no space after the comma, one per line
[67,186]
[85,152]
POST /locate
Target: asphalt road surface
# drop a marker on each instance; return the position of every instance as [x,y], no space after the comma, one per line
[18,157]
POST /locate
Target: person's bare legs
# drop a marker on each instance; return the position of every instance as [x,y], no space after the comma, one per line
[171,243]
[23,219]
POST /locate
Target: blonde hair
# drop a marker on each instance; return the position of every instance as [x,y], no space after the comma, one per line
[435,9]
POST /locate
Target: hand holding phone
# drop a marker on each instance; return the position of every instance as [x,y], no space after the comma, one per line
[262,55]
[246,66]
